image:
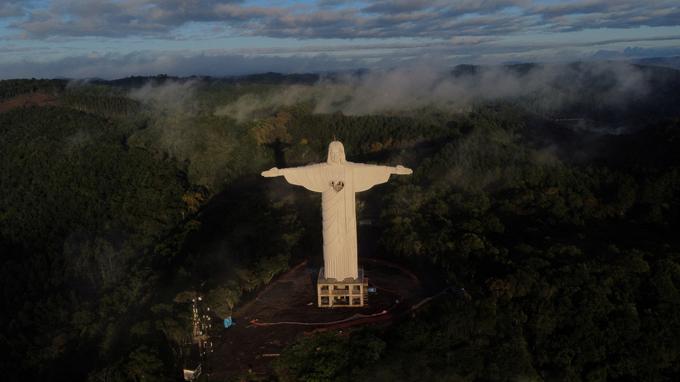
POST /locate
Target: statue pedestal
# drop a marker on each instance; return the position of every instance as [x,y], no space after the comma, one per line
[348,293]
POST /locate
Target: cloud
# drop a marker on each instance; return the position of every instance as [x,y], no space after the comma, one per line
[398,6]
[593,14]
[177,96]
[420,85]
[13,49]
[348,48]
[434,19]
[11,9]
[115,18]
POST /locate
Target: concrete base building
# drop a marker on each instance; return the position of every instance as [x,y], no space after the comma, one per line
[346,293]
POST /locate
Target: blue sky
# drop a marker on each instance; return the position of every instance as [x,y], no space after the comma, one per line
[115,38]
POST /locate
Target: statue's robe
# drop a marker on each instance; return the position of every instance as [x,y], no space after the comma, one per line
[338,184]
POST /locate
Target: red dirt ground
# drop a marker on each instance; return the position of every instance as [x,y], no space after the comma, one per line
[26,100]
[286,309]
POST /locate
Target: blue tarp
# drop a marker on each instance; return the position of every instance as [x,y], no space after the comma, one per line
[228,322]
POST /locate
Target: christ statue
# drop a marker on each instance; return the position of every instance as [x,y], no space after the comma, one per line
[338,180]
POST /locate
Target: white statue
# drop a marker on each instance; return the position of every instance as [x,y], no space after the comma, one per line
[338,180]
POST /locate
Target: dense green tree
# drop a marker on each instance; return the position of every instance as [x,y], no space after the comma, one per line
[120,201]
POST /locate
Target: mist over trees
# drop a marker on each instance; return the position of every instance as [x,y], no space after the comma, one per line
[550,193]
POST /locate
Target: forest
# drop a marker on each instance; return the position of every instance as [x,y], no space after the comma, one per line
[552,195]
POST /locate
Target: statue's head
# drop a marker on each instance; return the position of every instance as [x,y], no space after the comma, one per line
[336,152]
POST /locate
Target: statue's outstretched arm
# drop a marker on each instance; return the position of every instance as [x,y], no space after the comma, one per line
[310,177]
[272,172]
[401,170]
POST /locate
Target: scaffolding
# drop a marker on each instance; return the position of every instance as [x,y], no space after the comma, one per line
[200,344]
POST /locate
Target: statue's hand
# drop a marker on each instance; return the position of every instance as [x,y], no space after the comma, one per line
[271,172]
[401,170]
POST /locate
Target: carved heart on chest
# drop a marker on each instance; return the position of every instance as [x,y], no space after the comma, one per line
[337,185]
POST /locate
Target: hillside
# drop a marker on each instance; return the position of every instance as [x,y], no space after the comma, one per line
[551,194]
